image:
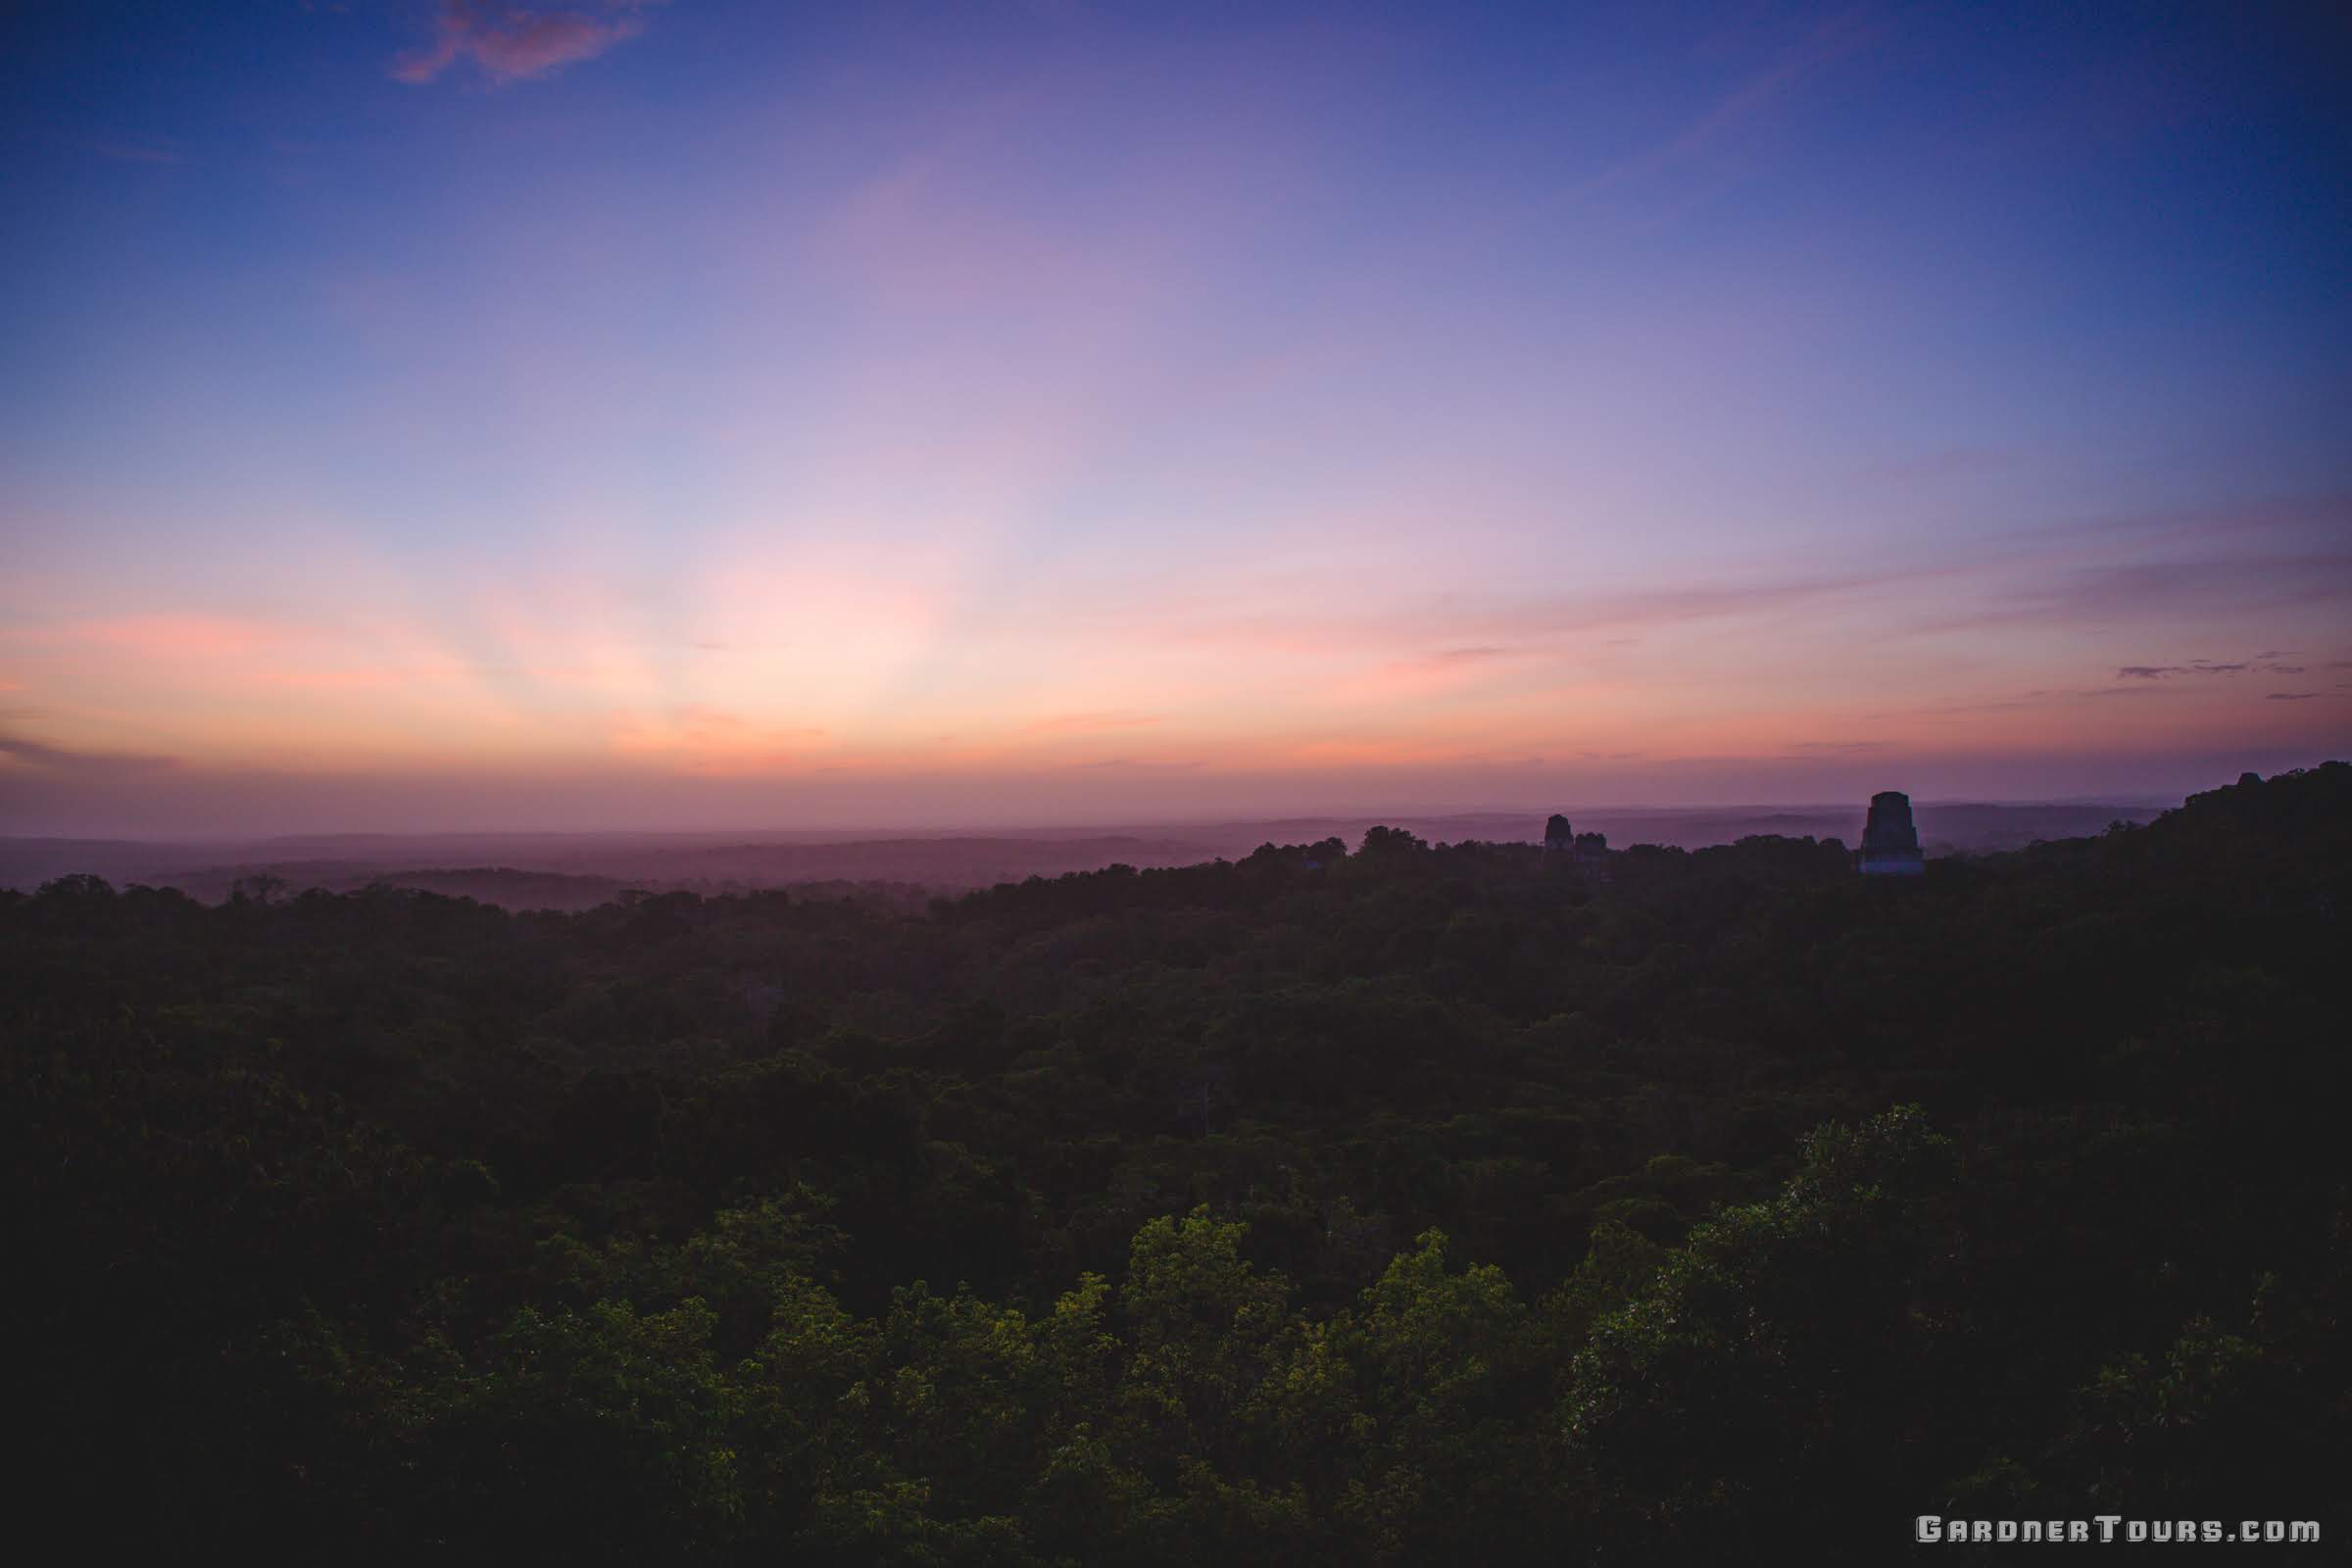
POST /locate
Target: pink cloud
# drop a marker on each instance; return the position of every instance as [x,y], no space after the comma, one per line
[513,41]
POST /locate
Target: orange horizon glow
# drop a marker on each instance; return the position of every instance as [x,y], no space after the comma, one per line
[811,683]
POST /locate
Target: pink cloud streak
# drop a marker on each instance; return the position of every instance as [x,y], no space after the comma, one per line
[511,42]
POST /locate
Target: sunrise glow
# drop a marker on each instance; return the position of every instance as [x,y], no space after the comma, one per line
[726,414]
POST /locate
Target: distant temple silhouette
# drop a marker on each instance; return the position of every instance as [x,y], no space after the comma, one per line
[1889,843]
[1585,851]
[1591,854]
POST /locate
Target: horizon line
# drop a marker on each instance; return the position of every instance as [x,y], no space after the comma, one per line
[1114,829]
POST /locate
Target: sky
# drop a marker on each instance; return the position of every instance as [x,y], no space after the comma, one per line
[450,415]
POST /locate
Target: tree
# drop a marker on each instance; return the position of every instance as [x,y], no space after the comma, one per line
[1780,1369]
[1387,843]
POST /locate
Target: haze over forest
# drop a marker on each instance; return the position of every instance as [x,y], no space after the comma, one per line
[578,871]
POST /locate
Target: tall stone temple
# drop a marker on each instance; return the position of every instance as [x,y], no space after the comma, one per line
[1588,853]
[1591,854]
[1889,843]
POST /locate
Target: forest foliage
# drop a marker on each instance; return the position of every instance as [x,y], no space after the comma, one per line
[1412,1203]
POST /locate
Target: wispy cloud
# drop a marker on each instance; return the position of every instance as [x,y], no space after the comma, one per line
[2213,583]
[509,42]
[1944,462]
[2309,524]
[1080,723]
[1131,764]
[130,152]
[2292,697]
[1445,665]
[28,752]
[2261,662]
[1489,628]
[1831,41]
